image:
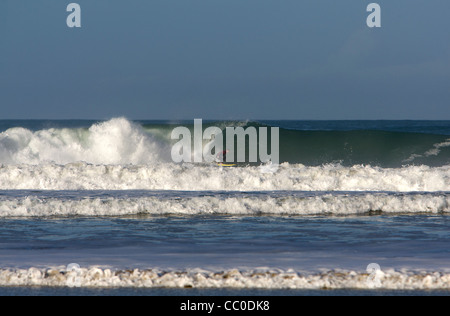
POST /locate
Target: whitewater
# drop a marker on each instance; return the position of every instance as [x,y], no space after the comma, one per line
[111,203]
[84,176]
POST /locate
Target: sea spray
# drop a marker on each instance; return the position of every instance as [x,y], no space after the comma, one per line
[117,141]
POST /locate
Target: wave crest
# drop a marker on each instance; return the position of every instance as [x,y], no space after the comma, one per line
[117,141]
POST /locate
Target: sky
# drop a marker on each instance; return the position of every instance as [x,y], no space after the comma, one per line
[225,59]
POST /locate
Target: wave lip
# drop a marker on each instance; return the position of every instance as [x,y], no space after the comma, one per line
[197,278]
[117,141]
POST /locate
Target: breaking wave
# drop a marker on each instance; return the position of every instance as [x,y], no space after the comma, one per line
[116,142]
[122,142]
[169,176]
[61,204]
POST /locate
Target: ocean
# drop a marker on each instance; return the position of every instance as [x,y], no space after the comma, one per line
[99,208]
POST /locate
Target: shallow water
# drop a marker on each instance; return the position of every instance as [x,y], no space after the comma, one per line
[56,291]
[302,243]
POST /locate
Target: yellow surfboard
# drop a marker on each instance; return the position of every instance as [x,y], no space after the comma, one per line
[220,164]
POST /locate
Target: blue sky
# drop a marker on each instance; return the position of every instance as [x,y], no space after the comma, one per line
[227,59]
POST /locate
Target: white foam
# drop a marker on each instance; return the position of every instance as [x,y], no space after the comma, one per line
[317,204]
[117,141]
[197,278]
[169,176]
[436,150]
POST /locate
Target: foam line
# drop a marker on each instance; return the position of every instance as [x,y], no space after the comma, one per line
[96,277]
[169,176]
[295,204]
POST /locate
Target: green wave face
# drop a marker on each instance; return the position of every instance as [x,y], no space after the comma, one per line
[376,148]
[119,141]
[383,148]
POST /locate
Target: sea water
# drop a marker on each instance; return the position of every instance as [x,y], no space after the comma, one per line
[106,197]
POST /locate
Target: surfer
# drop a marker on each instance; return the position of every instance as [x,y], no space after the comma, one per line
[222,157]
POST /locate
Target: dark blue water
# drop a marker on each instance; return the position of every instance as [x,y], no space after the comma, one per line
[303,243]
[412,126]
[416,126]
